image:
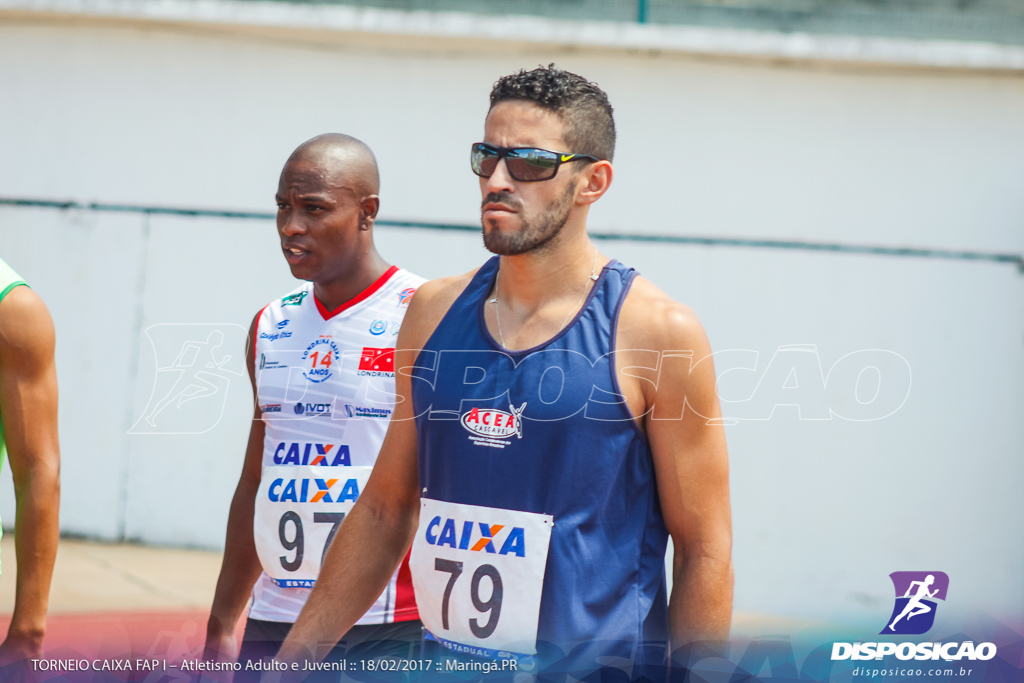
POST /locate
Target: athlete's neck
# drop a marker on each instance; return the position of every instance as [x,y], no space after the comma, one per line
[360,272]
[528,282]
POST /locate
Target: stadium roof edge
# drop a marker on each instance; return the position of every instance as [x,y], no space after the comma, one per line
[320,23]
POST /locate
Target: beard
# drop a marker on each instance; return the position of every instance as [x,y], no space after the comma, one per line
[533,233]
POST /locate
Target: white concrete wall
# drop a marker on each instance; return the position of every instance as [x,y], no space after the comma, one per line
[823,510]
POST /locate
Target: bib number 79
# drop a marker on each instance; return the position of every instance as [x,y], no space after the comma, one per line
[465,560]
[492,604]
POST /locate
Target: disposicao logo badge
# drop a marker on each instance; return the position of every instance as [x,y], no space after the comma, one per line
[916,593]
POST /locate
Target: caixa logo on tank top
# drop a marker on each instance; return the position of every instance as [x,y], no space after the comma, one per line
[490,427]
[321,354]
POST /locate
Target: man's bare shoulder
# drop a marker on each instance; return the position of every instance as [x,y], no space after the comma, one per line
[429,305]
[651,320]
[26,328]
[443,291]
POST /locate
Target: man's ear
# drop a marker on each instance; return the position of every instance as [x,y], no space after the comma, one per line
[368,207]
[595,182]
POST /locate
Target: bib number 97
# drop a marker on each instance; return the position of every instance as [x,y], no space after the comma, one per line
[298,511]
[492,604]
[297,542]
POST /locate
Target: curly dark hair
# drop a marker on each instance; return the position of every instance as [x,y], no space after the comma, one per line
[581,105]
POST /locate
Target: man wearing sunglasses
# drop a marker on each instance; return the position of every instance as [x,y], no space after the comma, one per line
[558,423]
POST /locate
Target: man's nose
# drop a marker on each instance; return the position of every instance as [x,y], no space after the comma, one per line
[289,223]
[500,180]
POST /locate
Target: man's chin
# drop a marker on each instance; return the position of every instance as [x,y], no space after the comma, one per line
[302,271]
[496,238]
[500,245]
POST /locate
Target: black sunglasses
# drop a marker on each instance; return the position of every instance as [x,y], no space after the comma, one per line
[525,164]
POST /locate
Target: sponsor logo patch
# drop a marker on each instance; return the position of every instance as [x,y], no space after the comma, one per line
[490,426]
[325,454]
[476,536]
[375,362]
[405,296]
[294,299]
[270,364]
[313,490]
[322,354]
[360,411]
[312,409]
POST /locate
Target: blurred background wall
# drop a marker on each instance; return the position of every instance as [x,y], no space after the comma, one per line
[866,125]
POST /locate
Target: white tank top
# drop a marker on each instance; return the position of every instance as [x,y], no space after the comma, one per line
[326,389]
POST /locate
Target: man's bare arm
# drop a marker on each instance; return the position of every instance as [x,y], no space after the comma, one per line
[240,566]
[691,464]
[368,547]
[28,401]
[378,531]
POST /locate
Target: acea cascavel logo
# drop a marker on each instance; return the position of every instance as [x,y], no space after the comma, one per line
[916,593]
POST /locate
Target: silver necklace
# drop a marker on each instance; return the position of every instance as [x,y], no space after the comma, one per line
[586,286]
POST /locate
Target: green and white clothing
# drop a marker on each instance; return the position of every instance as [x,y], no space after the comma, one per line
[8,281]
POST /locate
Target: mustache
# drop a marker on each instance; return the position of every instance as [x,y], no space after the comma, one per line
[505,198]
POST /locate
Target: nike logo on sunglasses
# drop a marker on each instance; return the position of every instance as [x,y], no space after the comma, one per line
[566,157]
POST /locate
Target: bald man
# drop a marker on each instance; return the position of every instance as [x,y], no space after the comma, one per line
[321,363]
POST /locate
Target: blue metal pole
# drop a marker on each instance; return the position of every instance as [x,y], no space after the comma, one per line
[641,11]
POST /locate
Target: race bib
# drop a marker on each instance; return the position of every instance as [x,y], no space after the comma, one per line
[298,512]
[478,574]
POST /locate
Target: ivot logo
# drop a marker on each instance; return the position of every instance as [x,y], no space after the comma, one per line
[312,409]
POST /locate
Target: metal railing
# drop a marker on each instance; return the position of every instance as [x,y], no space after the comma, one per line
[800,245]
[1000,21]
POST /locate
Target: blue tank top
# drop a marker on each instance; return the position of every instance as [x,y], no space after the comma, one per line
[575,454]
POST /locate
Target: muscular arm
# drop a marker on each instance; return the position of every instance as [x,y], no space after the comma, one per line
[378,531]
[368,547]
[240,566]
[28,401]
[691,465]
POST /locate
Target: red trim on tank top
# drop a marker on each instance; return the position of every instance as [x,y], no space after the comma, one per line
[361,296]
[256,332]
[405,598]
